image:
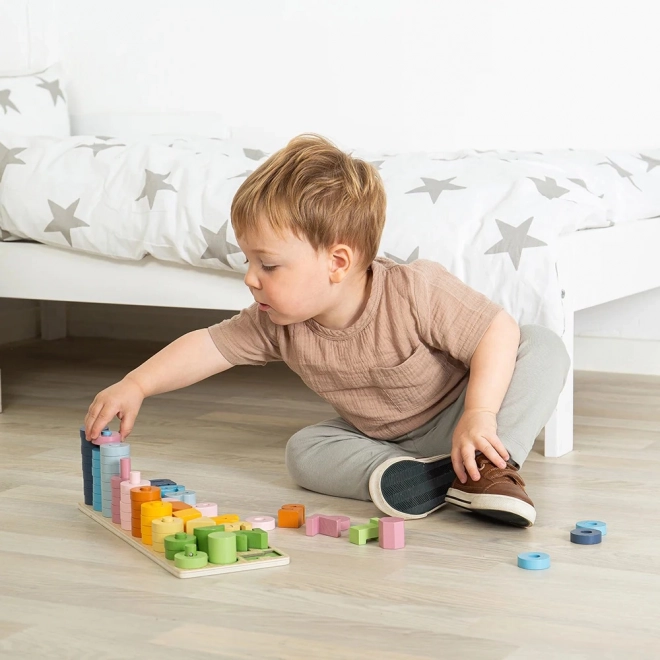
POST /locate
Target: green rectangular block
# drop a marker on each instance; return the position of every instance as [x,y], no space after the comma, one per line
[360,534]
[241,541]
[257,539]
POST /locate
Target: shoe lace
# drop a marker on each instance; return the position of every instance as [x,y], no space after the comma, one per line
[493,472]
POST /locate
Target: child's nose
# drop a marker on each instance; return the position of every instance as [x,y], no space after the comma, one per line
[251,280]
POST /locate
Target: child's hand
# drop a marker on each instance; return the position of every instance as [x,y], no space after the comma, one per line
[476,431]
[122,399]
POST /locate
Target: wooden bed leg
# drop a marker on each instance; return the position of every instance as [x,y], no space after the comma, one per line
[53,319]
[559,429]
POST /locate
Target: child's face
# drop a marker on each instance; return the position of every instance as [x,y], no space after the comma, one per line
[287,276]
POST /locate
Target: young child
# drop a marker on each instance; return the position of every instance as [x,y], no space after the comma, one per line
[439,393]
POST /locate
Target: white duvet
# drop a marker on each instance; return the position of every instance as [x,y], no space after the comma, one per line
[492,218]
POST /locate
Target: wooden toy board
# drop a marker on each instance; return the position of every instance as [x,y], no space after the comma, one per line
[247,561]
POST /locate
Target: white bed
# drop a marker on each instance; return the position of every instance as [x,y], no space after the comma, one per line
[595,266]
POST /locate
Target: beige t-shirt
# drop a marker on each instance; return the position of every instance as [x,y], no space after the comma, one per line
[404,360]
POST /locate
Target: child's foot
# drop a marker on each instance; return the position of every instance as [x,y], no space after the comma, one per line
[500,494]
[411,487]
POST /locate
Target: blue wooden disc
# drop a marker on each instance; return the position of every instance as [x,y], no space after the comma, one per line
[592,524]
[586,536]
[190,497]
[534,561]
[162,482]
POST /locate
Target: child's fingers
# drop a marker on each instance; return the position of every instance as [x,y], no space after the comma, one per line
[457,464]
[467,454]
[90,418]
[126,425]
[489,451]
[499,447]
[104,417]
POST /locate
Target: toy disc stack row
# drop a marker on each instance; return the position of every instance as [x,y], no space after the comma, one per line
[111,454]
[90,458]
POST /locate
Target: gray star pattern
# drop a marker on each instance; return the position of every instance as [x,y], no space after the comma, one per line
[98,147]
[54,88]
[254,154]
[579,182]
[64,220]
[105,138]
[549,188]
[514,240]
[154,182]
[650,162]
[218,247]
[435,187]
[243,174]
[5,102]
[376,163]
[621,172]
[414,255]
[8,157]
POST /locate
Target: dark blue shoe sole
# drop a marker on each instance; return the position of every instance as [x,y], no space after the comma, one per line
[413,488]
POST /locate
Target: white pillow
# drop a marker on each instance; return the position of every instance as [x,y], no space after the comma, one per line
[34,104]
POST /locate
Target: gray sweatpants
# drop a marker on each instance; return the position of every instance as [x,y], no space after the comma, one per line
[334,458]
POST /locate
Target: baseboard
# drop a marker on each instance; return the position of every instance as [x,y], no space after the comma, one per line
[624,356]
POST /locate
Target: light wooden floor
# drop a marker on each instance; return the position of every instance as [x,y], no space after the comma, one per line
[69,589]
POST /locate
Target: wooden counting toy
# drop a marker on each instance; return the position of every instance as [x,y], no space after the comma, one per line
[237,526]
[291,515]
[326,525]
[391,533]
[187,514]
[200,521]
[262,522]
[190,557]
[159,518]
[208,509]
[226,518]
[360,534]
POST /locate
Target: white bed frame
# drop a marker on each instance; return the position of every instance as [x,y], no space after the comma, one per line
[595,266]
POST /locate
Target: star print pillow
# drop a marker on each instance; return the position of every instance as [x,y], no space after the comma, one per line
[34,104]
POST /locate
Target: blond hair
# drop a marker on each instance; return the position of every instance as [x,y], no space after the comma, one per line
[319,193]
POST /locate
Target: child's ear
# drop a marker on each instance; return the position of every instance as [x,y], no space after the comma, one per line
[341,260]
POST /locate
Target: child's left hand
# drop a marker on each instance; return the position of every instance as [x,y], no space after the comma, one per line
[476,431]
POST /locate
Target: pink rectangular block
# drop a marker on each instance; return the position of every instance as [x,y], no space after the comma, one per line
[115,480]
[312,525]
[125,468]
[326,525]
[344,522]
[391,533]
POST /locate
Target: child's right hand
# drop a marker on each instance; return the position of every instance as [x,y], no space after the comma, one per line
[122,399]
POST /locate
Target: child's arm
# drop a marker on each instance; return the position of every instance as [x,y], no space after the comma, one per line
[189,359]
[491,369]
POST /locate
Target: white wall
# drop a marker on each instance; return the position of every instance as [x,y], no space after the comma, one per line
[391,74]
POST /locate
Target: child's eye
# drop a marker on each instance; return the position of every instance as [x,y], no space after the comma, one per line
[269,268]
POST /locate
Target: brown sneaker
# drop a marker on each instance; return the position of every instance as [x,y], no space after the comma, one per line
[500,494]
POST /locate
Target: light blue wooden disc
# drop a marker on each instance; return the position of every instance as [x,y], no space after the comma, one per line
[534,561]
[592,524]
